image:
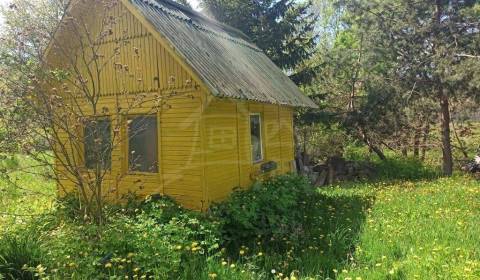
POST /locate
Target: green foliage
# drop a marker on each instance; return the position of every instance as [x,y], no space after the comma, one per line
[18,252]
[397,168]
[272,209]
[282,29]
[280,228]
[322,141]
[158,239]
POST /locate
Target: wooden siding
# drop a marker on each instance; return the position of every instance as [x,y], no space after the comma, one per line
[204,142]
[143,77]
[228,157]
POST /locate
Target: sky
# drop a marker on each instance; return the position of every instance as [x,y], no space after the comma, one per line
[2,3]
[195,5]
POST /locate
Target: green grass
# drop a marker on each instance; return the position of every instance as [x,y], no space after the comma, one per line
[25,193]
[406,224]
[421,230]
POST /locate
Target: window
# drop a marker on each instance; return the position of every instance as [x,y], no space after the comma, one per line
[97,143]
[143,144]
[256,137]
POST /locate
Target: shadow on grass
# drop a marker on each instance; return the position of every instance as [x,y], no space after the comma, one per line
[335,224]
[399,168]
[335,229]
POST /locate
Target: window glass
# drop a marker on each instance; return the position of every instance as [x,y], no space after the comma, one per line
[256,137]
[143,144]
[97,143]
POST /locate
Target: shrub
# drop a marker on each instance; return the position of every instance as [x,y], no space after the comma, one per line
[273,210]
[155,238]
[160,237]
[17,254]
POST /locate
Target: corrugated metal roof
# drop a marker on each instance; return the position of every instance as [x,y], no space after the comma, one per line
[229,65]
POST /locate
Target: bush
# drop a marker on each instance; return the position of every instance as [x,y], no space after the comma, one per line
[156,238]
[160,238]
[273,210]
[17,254]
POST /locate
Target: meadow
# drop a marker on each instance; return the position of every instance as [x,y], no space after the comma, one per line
[408,223]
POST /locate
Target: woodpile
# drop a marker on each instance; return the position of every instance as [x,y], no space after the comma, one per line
[338,169]
[473,167]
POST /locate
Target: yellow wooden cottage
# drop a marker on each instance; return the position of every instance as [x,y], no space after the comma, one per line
[229,115]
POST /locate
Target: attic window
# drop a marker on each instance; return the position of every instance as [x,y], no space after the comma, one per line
[97,144]
[256,137]
[143,144]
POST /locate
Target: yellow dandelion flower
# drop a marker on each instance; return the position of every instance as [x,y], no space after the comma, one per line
[242,252]
[108,265]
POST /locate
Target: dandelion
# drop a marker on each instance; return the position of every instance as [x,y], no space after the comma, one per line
[242,252]
[212,275]
[273,271]
[224,263]
[108,265]
[260,254]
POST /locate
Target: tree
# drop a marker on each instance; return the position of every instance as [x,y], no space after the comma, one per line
[426,42]
[283,29]
[53,79]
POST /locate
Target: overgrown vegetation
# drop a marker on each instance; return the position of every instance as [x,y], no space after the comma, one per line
[387,80]
[410,224]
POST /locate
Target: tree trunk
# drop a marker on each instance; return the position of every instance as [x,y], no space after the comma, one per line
[444,105]
[461,145]
[446,141]
[416,143]
[372,146]
[426,132]
[298,154]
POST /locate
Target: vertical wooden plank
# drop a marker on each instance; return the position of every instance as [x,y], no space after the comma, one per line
[163,69]
[161,168]
[148,63]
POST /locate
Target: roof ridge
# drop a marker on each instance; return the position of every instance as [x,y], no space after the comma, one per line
[243,39]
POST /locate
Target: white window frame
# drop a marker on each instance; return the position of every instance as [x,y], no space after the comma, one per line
[261,137]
